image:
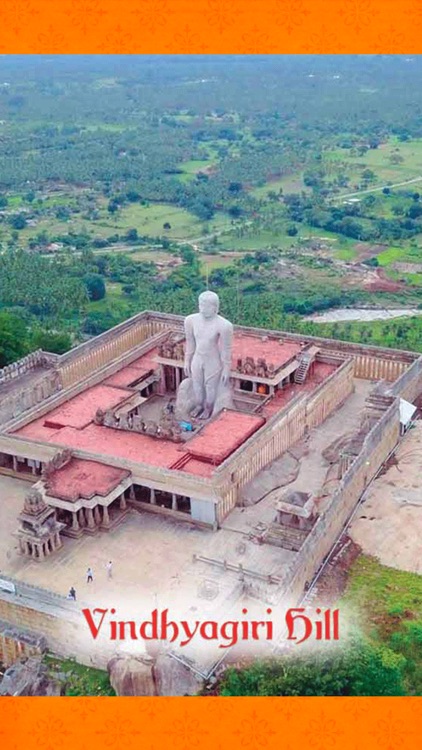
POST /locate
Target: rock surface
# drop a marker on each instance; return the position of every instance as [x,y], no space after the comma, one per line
[132,675]
[279,473]
[148,676]
[173,678]
[29,677]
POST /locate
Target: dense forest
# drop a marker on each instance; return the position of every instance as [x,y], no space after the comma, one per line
[134,182]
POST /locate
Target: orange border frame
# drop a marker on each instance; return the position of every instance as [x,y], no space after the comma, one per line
[209,26]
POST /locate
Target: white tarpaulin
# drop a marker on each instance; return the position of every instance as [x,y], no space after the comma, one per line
[407,411]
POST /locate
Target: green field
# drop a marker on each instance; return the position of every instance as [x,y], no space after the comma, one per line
[149,220]
[191,168]
[379,161]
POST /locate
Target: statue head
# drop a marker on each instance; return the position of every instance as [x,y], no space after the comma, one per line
[208,304]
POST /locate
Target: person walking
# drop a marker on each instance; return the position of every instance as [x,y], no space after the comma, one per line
[109,567]
[72,594]
[89,575]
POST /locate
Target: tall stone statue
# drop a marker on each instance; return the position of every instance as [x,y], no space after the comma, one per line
[208,353]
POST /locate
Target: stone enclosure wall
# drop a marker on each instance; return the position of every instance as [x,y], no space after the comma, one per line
[279,434]
[379,443]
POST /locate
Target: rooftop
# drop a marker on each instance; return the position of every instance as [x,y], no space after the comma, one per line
[72,424]
[84,479]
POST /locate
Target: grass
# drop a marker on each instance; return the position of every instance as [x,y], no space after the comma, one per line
[82,681]
[149,220]
[345,253]
[292,183]
[192,167]
[388,603]
[378,160]
[211,262]
[386,257]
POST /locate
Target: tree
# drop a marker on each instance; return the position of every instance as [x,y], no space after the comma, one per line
[3,201]
[18,222]
[112,207]
[368,175]
[50,341]
[13,338]
[235,212]
[292,231]
[235,187]
[133,196]
[131,235]
[167,225]
[187,254]
[95,286]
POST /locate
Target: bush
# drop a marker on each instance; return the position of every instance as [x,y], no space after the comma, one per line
[363,669]
[95,286]
[50,341]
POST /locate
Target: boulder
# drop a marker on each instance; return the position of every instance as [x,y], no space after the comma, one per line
[132,675]
[174,678]
[29,677]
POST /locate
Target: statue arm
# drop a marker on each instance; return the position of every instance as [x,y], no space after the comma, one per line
[189,346]
[226,347]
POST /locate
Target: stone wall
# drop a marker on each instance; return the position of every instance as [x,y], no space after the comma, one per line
[44,620]
[409,385]
[16,642]
[95,354]
[17,402]
[378,444]
[279,434]
[30,362]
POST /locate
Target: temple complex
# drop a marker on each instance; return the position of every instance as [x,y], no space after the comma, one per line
[255,493]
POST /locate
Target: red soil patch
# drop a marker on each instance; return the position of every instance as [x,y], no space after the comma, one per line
[377,281]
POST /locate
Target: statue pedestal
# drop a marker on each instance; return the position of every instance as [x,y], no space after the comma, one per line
[185,400]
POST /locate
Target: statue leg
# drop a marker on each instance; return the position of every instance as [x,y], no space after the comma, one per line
[197,372]
[212,381]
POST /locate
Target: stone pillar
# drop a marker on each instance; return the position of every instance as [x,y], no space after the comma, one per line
[161,389]
[15,463]
[132,492]
[97,515]
[254,385]
[152,497]
[90,518]
[75,523]
[82,519]
[123,504]
[174,502]
[177,376]
[106,517]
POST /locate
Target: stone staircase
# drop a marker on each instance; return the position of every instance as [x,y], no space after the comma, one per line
[306,359]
